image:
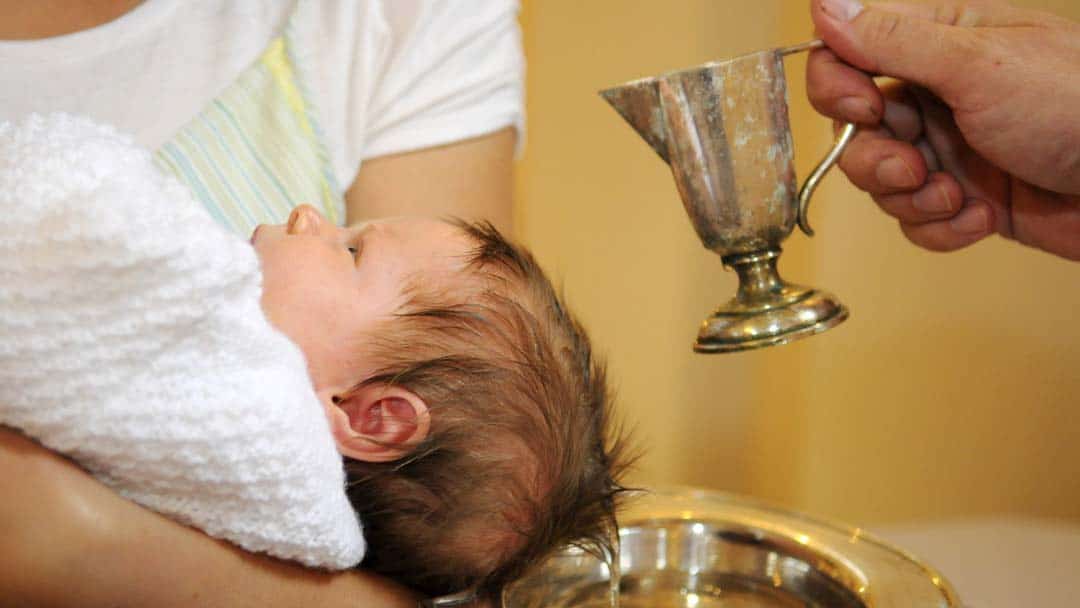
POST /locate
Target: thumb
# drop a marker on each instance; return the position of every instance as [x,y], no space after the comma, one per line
[930,46]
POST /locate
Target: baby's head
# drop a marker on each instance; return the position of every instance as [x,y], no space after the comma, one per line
[474,420]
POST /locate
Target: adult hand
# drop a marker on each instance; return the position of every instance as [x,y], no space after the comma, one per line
[981,131]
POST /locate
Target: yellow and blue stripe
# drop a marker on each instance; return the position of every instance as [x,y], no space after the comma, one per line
[256,151]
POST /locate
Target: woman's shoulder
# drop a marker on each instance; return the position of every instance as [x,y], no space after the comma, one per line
[394,76]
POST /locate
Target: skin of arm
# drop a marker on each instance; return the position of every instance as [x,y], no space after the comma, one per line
[470,179]
[67,540]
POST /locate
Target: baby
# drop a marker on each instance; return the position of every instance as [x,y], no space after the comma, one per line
[436,357]
[466,401]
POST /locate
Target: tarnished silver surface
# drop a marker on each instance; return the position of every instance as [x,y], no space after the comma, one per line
[454,600]
[766,311]
[847,133]
[723,128]
[699,549]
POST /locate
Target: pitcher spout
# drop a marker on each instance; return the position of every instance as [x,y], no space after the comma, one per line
[638,102]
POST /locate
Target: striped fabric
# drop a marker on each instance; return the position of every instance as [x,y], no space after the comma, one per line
[256,151]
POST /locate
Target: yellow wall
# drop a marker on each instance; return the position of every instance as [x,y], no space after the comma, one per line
[954,389]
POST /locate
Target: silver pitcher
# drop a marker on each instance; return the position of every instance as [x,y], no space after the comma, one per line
[723,128]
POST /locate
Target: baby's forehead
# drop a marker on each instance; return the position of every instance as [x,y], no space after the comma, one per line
[444,252]
[408,226]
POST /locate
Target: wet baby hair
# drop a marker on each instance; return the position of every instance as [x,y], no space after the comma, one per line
[523,456]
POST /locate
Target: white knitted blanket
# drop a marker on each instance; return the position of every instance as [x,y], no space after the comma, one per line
[131,339]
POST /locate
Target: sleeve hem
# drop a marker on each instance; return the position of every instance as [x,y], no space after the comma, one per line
[439,131]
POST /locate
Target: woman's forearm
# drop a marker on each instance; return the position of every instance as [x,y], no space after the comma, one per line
[67,540]
[470,179]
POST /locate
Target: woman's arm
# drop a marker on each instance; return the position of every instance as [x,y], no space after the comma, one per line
[67,540]
[471,179]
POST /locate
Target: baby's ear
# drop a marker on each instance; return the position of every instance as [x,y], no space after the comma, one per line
[376,422]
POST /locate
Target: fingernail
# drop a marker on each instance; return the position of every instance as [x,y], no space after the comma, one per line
[842,10]
[932,200]
[893,172]
[972,220]
[857,109]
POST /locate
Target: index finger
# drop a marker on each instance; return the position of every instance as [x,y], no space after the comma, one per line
[841,91]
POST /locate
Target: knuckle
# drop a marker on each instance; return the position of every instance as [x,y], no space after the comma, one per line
[947,13]
[885,25]
[971,13]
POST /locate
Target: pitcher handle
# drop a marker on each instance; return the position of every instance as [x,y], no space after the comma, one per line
[811,184]
[842,141]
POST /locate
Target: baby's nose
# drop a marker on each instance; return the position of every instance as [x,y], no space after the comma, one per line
[306,219]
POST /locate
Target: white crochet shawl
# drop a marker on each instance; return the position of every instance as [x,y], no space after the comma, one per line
[131,339]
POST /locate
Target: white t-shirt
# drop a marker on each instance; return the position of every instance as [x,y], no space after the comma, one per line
[388,76]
